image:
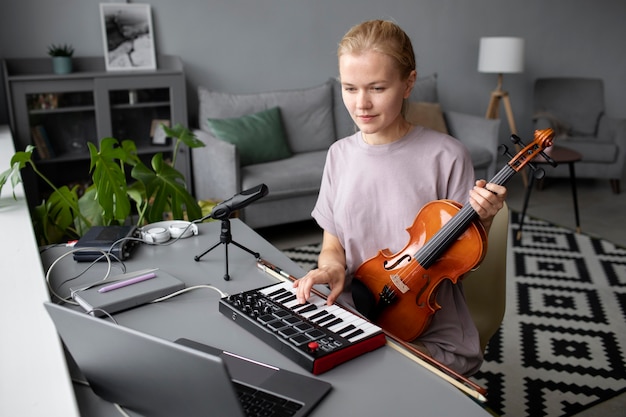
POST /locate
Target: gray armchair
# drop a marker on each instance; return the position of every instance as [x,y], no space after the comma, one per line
[574,108]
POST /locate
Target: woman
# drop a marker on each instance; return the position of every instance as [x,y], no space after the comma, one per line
[376,181]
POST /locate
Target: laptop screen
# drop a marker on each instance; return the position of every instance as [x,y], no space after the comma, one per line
[156,377]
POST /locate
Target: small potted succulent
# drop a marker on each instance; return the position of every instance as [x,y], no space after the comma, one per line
[61,58]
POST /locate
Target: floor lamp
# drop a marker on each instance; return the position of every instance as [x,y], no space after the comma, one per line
[501,55]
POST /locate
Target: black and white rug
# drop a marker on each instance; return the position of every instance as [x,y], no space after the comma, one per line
[562,345]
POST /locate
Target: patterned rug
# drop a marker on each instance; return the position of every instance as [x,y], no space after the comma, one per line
[562,346]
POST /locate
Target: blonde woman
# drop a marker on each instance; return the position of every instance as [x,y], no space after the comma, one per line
[376,181]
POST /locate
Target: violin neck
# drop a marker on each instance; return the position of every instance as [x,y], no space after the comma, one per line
[450,232]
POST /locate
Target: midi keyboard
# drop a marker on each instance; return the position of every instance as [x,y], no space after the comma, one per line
[316,336]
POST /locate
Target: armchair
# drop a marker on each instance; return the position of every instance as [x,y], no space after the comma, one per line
[574,108]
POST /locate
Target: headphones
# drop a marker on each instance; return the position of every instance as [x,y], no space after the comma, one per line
[161,232]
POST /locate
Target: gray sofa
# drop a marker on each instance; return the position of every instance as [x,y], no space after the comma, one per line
[312,119]
[574,108]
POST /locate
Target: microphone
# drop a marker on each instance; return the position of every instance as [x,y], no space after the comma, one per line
[238,201]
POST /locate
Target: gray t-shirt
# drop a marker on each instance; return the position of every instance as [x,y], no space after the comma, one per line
[370,195]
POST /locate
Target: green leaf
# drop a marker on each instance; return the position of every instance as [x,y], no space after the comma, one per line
[166,190]
[62,206]
[45,230]
[91,211]
[54,218]
[18,161]
[183,134]
[110,180]
[137,192]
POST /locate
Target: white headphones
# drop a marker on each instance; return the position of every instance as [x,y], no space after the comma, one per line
[182,229]
[161,232]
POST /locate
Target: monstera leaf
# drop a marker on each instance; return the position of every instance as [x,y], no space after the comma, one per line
[91,212]
[109,178]
[165,191]
[54,218]
[183,136]
[18,161]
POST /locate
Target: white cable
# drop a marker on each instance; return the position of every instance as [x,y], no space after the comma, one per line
[57,260]
[121,410]
[184,290]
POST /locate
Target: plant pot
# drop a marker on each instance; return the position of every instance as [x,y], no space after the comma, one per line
[62,64]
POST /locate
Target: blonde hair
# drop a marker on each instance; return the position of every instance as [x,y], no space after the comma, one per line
[381,36]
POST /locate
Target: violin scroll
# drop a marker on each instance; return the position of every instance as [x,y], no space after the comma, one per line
[542,139]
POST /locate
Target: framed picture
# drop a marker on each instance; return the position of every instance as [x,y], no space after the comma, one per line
[128,36]
[159,137]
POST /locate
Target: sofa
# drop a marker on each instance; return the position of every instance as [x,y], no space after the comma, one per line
[281,139]
[574,108]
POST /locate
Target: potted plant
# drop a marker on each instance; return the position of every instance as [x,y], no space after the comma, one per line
[61,58]
[156,190]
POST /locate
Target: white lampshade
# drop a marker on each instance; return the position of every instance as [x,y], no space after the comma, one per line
[501,55]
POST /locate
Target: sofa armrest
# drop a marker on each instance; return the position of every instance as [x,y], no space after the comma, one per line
[216,168]
[613,129]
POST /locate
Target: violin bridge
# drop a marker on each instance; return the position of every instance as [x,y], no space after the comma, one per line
[397,281]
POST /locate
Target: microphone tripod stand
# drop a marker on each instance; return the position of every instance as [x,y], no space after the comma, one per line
[223,211]
[225,239]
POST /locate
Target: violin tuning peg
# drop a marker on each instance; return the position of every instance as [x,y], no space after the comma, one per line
[538,173]
[516,139]
[548,159]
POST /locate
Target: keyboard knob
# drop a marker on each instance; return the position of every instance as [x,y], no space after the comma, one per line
[313,346]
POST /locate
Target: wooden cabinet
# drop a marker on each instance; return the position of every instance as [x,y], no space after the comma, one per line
[60,114]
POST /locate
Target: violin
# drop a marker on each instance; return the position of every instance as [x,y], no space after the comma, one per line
[446,241]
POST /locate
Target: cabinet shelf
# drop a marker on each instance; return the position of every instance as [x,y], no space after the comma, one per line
[72,109]
[90,104]
[82,156]
[127,106]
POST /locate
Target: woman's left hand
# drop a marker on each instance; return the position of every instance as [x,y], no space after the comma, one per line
[487,199]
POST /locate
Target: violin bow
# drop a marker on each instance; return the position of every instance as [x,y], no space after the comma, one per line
[457,380]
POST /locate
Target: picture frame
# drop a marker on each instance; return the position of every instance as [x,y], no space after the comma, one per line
[158,135]
[128,36]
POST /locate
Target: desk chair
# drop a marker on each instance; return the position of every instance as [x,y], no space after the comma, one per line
[485,288]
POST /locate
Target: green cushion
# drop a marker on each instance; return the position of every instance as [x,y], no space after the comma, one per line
[259,137]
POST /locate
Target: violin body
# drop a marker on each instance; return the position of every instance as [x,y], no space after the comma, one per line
[412,287]
[446,241]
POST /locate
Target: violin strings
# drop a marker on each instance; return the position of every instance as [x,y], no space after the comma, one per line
[454,228]
[449,232]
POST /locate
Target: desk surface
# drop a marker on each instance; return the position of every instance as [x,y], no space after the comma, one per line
[376,383]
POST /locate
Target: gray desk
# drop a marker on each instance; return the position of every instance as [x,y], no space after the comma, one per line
[377,383]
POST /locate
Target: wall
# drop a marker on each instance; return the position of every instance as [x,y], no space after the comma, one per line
[251,45]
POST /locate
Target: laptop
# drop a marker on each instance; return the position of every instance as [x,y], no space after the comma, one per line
[156,377]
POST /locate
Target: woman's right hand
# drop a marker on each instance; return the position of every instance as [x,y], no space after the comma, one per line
[333,275]
[331,270]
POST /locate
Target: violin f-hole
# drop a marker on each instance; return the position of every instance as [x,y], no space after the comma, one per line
[396,263]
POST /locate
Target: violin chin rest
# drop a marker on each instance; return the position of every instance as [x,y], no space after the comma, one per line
[364,300]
